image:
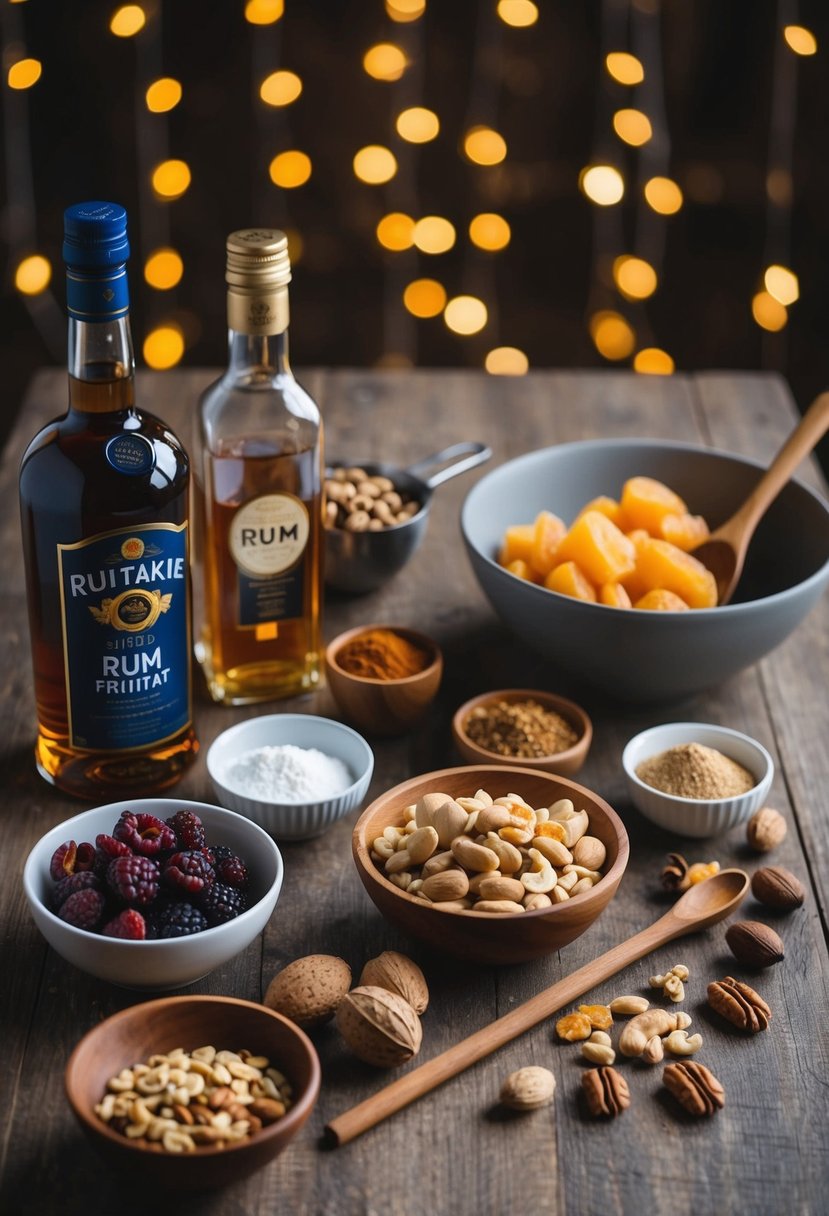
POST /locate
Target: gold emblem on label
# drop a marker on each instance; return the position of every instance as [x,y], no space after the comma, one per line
[132,610]
[133,548]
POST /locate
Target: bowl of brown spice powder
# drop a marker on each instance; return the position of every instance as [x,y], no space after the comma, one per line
[384,678]
[695,778]
[523,727]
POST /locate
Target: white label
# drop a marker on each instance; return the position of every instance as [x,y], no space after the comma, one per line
[269,534]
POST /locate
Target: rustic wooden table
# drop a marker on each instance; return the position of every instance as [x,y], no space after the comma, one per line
[455,1150]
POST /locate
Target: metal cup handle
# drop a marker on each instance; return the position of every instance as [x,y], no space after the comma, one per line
[462,457]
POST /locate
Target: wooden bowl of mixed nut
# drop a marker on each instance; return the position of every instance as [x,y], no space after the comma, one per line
[523,727]
[192,1092]
[489,863]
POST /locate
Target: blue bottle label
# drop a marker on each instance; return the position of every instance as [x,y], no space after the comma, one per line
[126,637]
[268,537]
[98,295]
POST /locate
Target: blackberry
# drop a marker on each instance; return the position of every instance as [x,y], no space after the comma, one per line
[134,879]
[189,870]
[70,858]
[81,880]
[107,849]
[232,871]
[128,925]
[221,903]
[178,920]
[83,909]
[145,834]
[188,829]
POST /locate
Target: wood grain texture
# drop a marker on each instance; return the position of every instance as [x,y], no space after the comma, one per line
[457,1150]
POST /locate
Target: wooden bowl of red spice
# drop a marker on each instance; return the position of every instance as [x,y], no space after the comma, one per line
[383,678]
[524,727]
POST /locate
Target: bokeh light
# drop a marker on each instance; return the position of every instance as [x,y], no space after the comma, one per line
[518,13]
[264,12]
[33,274]
[768,312]
[171,178]
[801,40]
[506,361]
[374,164]
[613,337]
[635,278]
[290,169]
[296,244]
[396,231]
[404,11]
[633,127]
[651,361]
[163,347]
[624,68]
[425,298]
[126,21]
[465,315]
[782,283]
[484,146]
[434,234]
[663,195]
[280,88]
[385,61]
[163,269]
[602,184]
[489,231]
[417,125]
[24,73]
[163,95]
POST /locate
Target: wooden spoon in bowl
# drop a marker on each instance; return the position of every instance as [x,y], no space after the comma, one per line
[702,905]
[725,550]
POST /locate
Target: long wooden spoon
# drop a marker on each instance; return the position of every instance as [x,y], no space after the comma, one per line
[725,550]
[701,906]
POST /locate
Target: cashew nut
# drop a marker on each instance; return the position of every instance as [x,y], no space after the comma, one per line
[509,858]
[532,902]
[498,905]
[598,1053]
[553,850]
[683,1020]
[541,877]
[492,819]
[473,856]
[575,823]
[644,1026]
[671,982]
[679,1043]
[437,863]
[500,887]
[654,1050]
[584,884]
[559,894]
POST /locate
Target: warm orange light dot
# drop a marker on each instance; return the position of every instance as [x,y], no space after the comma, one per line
[396,231]
[465,315]
[417,125]
[24,73]
[264,12]
[603,184]
[783,284]
[651,361]
[163,347]
[280,88]
[434,234]
[769,313]
[163,95]
[800,40]
[518,13]
[612,336]
[634,277]
[290,169]
[171,178]
[163,269]
[127,20]
[425,298]
[374,164]
[489,231]
[484,146]
[633,127]
[506,361]
[663,195]
[33,275]
[404,11]
[625,68]
[385,61]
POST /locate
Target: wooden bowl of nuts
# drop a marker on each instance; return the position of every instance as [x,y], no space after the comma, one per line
[523,727]
[151,1088]
[490,863]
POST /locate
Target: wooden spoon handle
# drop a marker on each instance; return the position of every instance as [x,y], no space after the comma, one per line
[455,1059]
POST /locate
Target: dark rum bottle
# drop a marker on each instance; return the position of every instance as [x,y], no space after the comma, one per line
[104,512]
[259,482]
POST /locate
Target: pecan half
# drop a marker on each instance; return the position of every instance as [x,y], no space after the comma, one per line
[739,1004]
[695,1088]
[674,873]
[606,1092]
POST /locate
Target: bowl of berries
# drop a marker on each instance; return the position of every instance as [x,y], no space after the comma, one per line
[152,893]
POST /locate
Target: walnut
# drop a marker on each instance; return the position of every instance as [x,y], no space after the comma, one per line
[309,989]
[528,1089]
[379,1026]
[605,1092]
[695,1088]
[765,829]
[739,1004]
[397,973]
[777,888]
[754,944]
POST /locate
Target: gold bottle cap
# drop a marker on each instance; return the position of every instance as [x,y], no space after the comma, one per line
[258,273]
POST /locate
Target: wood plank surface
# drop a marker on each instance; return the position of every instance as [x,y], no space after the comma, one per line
[456,1151]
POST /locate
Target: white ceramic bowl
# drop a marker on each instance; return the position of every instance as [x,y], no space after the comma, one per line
[695,816]
[157,965]
[292,820]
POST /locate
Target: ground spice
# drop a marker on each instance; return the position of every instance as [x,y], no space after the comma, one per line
[381,654]
[692,770]
[522,729]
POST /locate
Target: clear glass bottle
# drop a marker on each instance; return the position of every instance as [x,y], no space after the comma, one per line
[104,512]
[259,485]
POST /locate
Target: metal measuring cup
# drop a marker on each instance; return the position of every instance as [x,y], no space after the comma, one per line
[358,562]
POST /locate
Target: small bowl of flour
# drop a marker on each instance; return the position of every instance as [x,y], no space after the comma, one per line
[294,774]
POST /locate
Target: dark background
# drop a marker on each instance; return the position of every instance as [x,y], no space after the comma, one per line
[736,103]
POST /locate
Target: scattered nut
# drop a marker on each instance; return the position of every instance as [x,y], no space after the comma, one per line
[765,829]
[352,492]
[644,1026]
[629,1004]
[694,1087]
[379,1026]
[777,888]
[397,973]
[528,1089]
[754,944]
[309,989]
[739,1004]
[598,1053]
[672,983]
[654,1050]
[679,1043]
[606,1092]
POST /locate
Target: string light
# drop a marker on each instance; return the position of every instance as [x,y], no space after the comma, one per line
[375,164]
[633,127]
[782,284]
[280,88]
[465,315]
[385,61]
[163,347]
[613,337]
[768,312]
[506,361]
[484,146]
[434,234]
[651,361]
[417,125]
[663,195]
[171,178]
[518,13]
[404,11]
[127,21]
[163,269]
[163,95]
[24,73]
[602,184]
[425,298]
[635,278]
[33,275]
[264,12]
[489,231]
[396,231]
[290,169]
[624,68]
[801,40]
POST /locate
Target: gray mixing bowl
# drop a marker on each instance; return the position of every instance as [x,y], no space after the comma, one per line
[632,654]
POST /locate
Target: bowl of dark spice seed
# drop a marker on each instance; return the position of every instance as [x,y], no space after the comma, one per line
[523,727]
[695,778]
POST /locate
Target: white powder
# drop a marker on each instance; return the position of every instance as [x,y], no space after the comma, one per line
[288,774]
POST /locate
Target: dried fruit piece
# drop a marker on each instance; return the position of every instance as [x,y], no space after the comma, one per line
[695,1088]
[606,1092]
[574,1027]
[600,1016]
[528,1088]
[739,1004]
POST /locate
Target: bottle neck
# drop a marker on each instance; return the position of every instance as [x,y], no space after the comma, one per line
[258,352]
[101,365]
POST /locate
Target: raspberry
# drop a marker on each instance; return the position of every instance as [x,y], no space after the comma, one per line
[108,848]
[189,830]
[134,879]
[79,881]
[70,858]
[221,903]
[144,834]
[179,920]
[83,909]
[232,871]
[189,870]
[129,925]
